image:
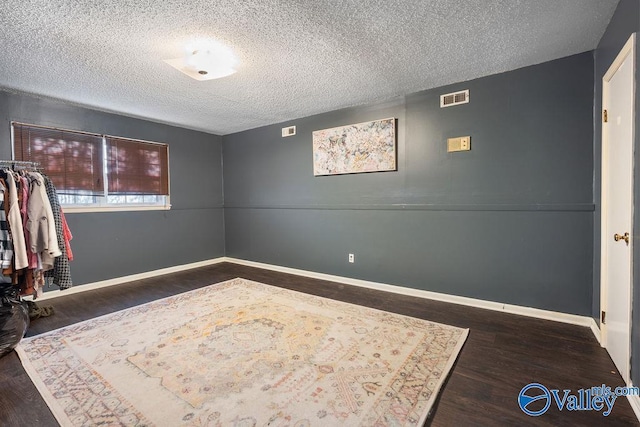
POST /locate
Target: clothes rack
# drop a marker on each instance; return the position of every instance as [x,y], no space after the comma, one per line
[32,252]
[20,164]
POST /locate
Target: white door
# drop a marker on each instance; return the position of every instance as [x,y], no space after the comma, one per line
[617,207]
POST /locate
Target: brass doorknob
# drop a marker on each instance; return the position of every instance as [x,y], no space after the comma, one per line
[617,237]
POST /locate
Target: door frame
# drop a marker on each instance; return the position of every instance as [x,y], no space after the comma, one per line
[627,51]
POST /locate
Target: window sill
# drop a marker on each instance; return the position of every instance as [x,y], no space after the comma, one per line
[67,209]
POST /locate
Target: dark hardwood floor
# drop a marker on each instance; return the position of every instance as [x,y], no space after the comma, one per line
[502,354]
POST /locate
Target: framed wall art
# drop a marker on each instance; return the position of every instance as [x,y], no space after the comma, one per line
[358,148]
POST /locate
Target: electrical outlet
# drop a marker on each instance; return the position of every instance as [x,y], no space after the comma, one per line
[352,258]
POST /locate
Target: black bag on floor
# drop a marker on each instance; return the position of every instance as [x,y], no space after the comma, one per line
[14,318]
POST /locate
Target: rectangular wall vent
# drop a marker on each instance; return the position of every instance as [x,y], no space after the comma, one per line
[455,98]
[288,131]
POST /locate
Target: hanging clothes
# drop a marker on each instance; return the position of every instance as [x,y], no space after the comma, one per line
[34,235]
[66,232]
[60,275]
[32,257]
[41,224]
[15,223]
[6,246]
[26,282]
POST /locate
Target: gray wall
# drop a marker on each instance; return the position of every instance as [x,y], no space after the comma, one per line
[625,21]
[509,221]
[114,244]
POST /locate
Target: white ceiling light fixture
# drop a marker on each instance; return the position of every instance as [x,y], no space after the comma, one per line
[206,62]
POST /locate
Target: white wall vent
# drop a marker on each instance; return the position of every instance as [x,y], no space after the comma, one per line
[288,131]
[455,98]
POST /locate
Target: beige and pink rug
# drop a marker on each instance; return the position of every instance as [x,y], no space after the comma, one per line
[243,353]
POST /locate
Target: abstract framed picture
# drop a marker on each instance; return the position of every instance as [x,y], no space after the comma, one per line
[358,148]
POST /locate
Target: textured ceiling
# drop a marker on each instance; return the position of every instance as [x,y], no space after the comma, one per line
[297,57]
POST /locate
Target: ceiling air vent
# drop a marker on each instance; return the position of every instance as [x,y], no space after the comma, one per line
[288,131]
[454,98]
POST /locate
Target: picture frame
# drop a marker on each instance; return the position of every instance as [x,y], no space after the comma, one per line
[358,148]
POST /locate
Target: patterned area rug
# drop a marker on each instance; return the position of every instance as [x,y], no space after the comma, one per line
[243,353]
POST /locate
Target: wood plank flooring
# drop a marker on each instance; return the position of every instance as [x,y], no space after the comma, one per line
[502,354]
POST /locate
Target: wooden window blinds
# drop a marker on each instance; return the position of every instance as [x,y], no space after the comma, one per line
[74,161]
[137,168]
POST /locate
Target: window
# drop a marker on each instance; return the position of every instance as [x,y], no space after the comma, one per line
[97,172]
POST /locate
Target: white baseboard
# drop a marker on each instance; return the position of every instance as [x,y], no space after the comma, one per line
[130,278]
[472,302]
[595,328]
[573,319]
[634,401]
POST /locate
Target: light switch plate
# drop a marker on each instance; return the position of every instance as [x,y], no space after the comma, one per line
[461,143]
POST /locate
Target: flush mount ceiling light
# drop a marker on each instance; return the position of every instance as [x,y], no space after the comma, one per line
[206,63]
